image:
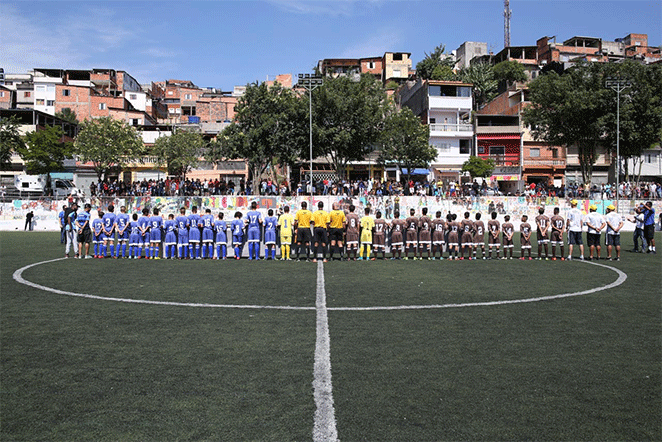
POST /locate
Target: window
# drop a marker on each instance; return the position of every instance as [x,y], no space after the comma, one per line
[188,110]
[169,92]
[463,91]
[40,87]
[39,101]
[497,150]
[555,153]
[188,96]
[534,152]
[102,106]
[50,102]
[2,94]
[434,91]
[465,146]
[135,122]
[444,147]
[27,94]
[396,73]
[481,149]
[66,92]
[133,97]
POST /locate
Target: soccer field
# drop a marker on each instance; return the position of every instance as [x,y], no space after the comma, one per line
[374,350]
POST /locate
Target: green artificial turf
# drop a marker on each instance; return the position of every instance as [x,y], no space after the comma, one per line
[581,368]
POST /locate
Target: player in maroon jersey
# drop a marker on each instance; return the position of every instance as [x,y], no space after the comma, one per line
[352,232]
[507,237]
[412,233]
[542,224]
[479,237]
[467,227]
[379,238]
[525,237]
[438,239]
[558,229]
[493,230]
[453,237]
[398,227]
[425,234]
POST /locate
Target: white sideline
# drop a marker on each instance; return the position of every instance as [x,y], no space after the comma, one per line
[324,428]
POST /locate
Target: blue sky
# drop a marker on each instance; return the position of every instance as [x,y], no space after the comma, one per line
[226,43]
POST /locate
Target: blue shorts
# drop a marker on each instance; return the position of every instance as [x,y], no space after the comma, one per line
[253,235]
[98,239]
[270,237]
[237,240]
[221,237]
[155,235]
[124,236]
[170,239]
[135,240]
[182,238]
[194,235]
[207,235]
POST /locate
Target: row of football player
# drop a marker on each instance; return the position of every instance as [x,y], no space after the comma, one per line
[417,231]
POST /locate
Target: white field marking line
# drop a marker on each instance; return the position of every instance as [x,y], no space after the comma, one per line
[622,276]
[324,428]
[19,278]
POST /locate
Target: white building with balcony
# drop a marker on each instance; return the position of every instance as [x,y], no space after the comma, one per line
[446,107]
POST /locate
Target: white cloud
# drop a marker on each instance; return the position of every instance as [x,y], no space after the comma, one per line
[387,40]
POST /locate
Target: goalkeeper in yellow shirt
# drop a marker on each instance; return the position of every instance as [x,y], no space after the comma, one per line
[285,224]
[367,225]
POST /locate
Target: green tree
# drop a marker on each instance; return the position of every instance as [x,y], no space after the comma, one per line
[404,141]
[481,75]
[347,118]
[180,152]
[570,109]
[478,167]
[640,110]
[67,115]
[269,128]
[108,144]
[509,71]
[434,63]
[10,141]
[45,150]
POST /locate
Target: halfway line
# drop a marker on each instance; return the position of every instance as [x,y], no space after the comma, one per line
[324,428]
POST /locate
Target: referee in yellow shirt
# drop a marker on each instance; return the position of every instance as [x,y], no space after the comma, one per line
[321,222]
[336,230]
[302,221]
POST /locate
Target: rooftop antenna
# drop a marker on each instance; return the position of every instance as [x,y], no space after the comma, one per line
[506,23]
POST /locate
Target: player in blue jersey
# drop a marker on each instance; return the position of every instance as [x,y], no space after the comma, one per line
[194,234]
[109,231]
[134,238]
[182,223]
[270,225]
[122,229]
[155,228]
[207,221]
[98,238]
[170,242]
[237,228]
[143,222]
[253,222]
[221,228]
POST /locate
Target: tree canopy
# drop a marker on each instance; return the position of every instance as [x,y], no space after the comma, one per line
[108,144]
[478,167]
[481,75]
[180,152]
[404,141]
[269,128]
[436,66]
[10,141]
[45,150]
[509,71]
[347,118]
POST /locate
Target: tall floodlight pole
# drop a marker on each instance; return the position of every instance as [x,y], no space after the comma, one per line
[618,85]
[310,82]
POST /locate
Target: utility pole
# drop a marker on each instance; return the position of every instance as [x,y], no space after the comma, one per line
[618,85]
[310,82]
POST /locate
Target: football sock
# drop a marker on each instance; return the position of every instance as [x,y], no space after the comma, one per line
[287,252]
[273,252]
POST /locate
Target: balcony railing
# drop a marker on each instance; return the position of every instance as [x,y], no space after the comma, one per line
[458,127]
[528,162]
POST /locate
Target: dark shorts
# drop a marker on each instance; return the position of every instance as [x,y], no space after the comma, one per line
[85,237]
[320,235]
[593,239]
[467,239]
[649,232]
[613,240]
[379,240]
[335,235]
[575,238]
[304,235]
